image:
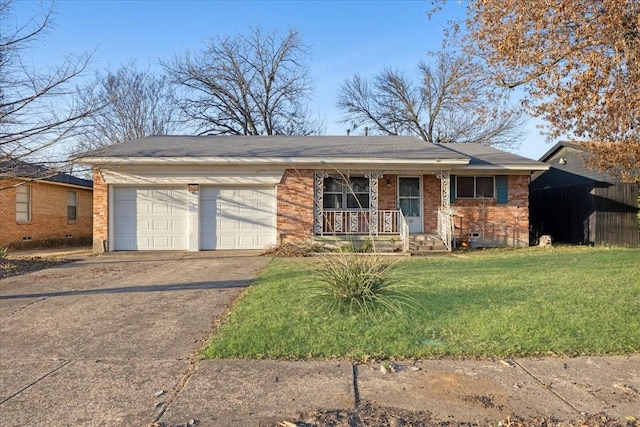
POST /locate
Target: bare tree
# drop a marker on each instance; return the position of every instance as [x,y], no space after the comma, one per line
[38,109]
[255,84]
[453,102]
[138,104]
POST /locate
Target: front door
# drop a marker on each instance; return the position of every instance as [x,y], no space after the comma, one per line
[410,202]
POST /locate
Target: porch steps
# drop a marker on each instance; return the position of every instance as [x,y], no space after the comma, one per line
[426,244]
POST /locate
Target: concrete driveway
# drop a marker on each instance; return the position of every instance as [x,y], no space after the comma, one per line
[106,340]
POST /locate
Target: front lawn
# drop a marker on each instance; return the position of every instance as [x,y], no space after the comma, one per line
[565,301]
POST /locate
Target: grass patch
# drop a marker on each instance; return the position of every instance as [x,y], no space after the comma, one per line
[569,301]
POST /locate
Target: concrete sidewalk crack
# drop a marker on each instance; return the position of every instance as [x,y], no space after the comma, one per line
[193,365]
[539,381]
[356,391]
[35,382]
[22,307]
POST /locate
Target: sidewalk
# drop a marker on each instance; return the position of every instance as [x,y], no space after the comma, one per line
[256,393]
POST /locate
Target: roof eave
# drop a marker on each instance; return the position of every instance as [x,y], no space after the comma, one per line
[47,181]
[279,161]
[546,156]
[513,167]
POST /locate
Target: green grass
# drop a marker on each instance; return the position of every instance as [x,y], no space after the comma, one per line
[566,300]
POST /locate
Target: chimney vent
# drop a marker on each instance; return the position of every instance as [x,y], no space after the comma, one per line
[366,131]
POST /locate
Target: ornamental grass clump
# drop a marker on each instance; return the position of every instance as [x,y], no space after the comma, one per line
[359,284]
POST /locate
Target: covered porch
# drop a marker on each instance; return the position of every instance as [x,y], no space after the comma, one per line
[383,206]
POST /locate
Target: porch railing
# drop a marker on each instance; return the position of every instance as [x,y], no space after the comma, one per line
[388,222]
[404,232]
[445,227]
[359,222]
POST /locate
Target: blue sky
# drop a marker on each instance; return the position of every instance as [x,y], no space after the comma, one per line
[344,36]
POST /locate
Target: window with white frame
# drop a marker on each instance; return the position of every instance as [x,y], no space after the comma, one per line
[72,206]
[475,187]
[339,193]
[23,203]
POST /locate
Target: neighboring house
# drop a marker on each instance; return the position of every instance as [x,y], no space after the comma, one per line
[40,207]
[578,205]
[236,192]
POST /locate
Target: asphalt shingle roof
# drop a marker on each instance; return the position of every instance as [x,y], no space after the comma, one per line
[319,147]
[395,147]
[13,168]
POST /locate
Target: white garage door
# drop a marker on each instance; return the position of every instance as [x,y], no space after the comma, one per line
[150,219]
[237,218]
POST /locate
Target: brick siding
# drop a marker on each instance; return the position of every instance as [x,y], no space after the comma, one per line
[48,225]
[387,193]
[503,224]
[431,202]
[295,206]
[100,212]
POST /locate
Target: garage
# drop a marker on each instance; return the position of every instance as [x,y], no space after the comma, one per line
[150,218]
[237,217]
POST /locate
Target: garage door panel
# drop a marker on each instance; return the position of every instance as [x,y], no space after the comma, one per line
[150,218]
[226,224]
[158,208]
[247,225]
[160,225]
[142,226]
[237,218]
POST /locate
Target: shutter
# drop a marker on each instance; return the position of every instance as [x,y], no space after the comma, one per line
[452,188]
[502,187]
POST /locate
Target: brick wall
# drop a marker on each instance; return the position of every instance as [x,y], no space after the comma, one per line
[387,193]
[100,212]
[431,202]
[501,224]
[507,224]
[295,206]
[48,225]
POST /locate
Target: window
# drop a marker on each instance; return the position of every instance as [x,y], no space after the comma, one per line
[475,187]
[23,203]
[338,194]
[72,206]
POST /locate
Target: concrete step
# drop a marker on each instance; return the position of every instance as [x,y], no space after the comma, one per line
[426,244]
[432,252]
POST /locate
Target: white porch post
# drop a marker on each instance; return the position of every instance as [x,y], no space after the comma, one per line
[445,223]
[318,200]
[373,201]
[445,190]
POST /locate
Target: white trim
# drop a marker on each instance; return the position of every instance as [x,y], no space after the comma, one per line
[499,168]
[111,234]
[420,181]
[178,177]
[193,219]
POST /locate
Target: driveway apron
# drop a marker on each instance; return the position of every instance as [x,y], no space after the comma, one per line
[104,341]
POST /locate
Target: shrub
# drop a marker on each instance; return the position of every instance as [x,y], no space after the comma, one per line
[356,246]
[4,251]
[301,249]
[353,284]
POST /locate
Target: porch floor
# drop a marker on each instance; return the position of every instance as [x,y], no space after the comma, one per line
[419,244]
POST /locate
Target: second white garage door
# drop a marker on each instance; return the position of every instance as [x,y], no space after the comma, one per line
[237,218]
